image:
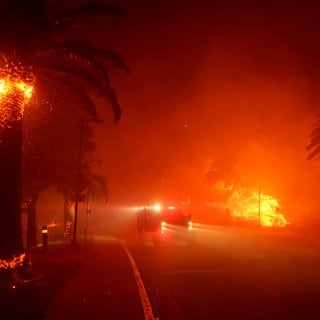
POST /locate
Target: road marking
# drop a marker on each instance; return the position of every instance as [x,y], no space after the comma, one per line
[147,309]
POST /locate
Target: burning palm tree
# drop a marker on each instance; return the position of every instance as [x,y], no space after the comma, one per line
[37,47]
[15,89]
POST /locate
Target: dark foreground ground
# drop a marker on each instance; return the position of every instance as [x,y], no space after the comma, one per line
[28,298]
[88,281]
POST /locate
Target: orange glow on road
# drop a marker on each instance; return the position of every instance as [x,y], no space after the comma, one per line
[247,205]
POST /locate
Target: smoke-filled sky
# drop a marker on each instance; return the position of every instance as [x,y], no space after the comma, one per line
[215,80]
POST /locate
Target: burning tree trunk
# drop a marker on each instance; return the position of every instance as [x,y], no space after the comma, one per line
[14,89]
[10,190]
[32,220]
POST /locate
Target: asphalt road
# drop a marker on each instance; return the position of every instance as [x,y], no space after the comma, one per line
[231,273]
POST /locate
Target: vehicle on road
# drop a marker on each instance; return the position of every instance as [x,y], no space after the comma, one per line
[167,224]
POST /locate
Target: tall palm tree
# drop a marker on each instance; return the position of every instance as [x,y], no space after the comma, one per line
[38,46]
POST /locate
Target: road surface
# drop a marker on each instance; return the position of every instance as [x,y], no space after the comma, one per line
[232,273]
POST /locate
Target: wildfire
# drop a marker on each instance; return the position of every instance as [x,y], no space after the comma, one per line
[254,206]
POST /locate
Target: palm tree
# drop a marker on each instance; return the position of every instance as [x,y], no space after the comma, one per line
[51,157]
[221,171]
[38,47]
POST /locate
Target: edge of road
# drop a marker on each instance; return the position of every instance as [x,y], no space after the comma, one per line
[147,309]
[108,283]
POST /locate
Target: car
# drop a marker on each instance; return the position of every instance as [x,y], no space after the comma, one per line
[167,224]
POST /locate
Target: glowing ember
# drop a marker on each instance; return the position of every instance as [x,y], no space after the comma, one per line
[13,263]
[248,205]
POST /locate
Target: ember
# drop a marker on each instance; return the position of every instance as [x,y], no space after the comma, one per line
[13,263]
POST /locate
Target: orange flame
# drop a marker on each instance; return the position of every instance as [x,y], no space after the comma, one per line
[25,89]
[14,94]
[248,205]
[8,86]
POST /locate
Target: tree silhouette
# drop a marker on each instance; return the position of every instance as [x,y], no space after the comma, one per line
[39,54]
[221,171]
[51,158]
[221,180]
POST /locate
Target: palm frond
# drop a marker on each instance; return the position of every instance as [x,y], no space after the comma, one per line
[114,105]
[315,153]
[77,90]
[82,65]
[73,74]
[97,188]
[315,132]
[315,140]
[72,17]
[65,56]
[100,53]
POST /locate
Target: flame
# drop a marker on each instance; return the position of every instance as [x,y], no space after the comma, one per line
[13,263]
[25,89]
[3,87]
[8,86]
[16,88]
[13,97]
[248,205]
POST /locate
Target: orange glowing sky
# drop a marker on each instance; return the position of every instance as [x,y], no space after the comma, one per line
[212,79]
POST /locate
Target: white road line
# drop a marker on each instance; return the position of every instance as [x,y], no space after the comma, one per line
[147,309]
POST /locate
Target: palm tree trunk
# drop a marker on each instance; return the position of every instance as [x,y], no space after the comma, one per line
[32,221]
[67,217]
[11,243]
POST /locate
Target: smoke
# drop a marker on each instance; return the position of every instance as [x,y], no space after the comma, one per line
[211,80]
